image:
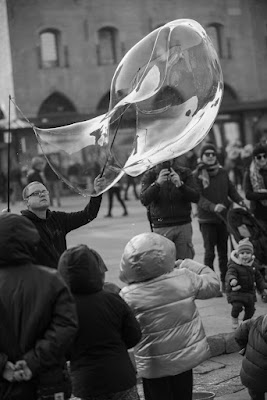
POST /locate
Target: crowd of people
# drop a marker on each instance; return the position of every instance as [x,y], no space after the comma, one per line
[65,330]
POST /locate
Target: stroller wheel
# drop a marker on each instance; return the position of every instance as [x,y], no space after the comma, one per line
[264,298]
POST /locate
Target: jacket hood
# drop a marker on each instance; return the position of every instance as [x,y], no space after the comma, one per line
[147,256]
[18,239]
[82,269]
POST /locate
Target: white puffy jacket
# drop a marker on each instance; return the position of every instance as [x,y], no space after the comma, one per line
[173,338]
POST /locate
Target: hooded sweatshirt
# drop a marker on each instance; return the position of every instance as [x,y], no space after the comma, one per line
[38,319]
[100,363]
[163,300]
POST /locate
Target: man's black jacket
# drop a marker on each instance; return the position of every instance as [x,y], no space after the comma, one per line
[54,228]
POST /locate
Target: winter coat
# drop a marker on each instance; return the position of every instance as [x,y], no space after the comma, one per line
[167,204]
[163,300]
[219,191]
[100,363]
[259,210]
[40,311]
[247,276]
[54,228]
[252,335]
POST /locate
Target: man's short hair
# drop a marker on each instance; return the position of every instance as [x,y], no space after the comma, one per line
[25,191]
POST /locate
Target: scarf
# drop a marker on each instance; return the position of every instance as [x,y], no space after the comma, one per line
[256,179]
[205,171]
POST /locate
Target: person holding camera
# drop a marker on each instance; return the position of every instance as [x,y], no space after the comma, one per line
[167,190]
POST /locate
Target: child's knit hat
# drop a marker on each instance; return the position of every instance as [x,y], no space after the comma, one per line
[245,245]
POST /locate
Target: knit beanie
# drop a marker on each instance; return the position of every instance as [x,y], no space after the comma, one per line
[245,245]
[259,149]
[208,146]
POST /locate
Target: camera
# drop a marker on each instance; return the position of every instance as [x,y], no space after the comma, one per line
[166,165]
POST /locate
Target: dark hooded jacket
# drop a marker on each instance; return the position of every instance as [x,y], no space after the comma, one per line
[99,358]
[54,228]
[38,316]
[252,335]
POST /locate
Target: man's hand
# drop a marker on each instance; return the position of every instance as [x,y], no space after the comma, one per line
[175,178]
[219,208]
[99,183]
[8,372]
[22,371]
[163,176]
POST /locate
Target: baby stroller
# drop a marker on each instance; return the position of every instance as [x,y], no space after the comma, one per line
[242,224]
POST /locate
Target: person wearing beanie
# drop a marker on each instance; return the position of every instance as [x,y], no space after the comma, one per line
[255,184]
[241,278]
[162,293]
[216,192]
[100,365]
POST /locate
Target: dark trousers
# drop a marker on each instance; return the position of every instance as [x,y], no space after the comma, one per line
[117,192]
[256,395]
[238,306]
[177,387]
[215,235]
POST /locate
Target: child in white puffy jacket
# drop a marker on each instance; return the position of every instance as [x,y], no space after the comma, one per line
[162,294]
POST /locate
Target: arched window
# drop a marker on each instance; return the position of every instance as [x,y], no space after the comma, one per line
[215,32]
[107,46]
[56,103]
[49,48]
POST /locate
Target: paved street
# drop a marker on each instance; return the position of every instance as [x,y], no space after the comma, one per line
[108,236]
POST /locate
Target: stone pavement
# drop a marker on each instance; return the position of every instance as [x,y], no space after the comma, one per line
[108,236]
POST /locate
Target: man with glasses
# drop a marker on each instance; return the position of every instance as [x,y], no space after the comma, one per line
[255,184]
[53,226]
[215,190]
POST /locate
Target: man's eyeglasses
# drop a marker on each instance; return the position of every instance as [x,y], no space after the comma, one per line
[38,193]
[261,156]
[209,154]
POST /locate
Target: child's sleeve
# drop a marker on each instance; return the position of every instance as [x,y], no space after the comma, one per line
[206,283]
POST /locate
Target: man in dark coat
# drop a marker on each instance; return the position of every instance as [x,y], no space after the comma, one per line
[167,191]
[53,226]
[38,316]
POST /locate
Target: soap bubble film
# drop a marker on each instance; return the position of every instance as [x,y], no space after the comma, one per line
[167,90]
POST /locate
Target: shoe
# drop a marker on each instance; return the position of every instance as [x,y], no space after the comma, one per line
[219,294]
[235,323]
[108,216]
[125,214]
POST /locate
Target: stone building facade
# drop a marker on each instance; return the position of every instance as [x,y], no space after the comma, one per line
[58,58]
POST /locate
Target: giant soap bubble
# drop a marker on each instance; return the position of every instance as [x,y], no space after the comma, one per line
[167,89]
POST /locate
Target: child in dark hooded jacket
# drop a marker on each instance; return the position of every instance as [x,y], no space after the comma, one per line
[100,365]
[252,336]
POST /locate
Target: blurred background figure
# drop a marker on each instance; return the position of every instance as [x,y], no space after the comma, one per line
[115,191]
[36,173]
[3,188]
[15,183]
[53,184]
[246,156]
[233,163]
[255,184]
[130,181]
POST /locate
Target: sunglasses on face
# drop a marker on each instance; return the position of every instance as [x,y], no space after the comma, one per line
[38,193]
[261,156]
[209,154]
